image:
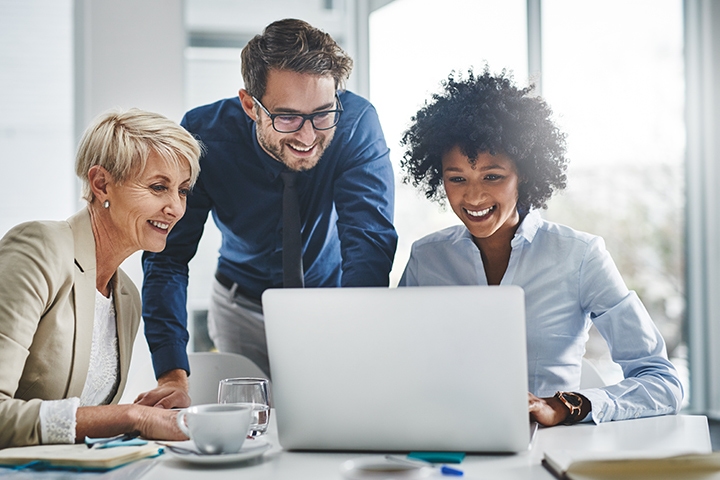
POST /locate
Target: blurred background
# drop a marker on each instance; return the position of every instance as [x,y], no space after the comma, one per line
[631,82]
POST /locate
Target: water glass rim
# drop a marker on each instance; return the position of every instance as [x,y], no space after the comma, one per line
[244,380]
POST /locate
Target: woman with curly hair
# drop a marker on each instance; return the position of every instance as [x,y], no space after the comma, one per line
[492,150]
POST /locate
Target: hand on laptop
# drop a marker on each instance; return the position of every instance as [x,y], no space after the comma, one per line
[552,411]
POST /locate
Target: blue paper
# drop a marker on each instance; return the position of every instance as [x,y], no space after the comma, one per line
[134,442]
[438,457]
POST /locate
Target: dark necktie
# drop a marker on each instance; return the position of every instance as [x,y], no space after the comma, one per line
[292,241]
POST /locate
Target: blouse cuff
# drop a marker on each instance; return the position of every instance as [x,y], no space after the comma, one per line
[58,420]
[603,409]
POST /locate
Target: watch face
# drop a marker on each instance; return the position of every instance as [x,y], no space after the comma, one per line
[572,399]
[573,402]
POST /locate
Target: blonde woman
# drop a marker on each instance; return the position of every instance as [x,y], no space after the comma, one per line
[68,313]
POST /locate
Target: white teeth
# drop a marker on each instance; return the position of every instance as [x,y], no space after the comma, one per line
[478,213]
[164,226]
[301,149]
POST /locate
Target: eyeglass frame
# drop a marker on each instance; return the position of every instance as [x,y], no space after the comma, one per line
[305,116]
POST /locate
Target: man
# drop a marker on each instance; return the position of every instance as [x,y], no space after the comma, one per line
[292,116]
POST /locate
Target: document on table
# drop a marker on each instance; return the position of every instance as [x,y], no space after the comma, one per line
[656,465]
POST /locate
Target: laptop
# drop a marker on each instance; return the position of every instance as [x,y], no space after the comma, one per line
[399,369]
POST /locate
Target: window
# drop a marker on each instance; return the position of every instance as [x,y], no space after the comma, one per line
[413,46]
[613,73]
[614,76]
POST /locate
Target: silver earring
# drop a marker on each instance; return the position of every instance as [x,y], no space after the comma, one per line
[106,204]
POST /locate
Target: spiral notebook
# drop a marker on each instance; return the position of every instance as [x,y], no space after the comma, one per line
[416,368]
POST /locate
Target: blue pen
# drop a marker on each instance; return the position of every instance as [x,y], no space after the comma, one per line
[444,469]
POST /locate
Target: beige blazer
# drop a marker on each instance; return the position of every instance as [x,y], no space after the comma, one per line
[47,308]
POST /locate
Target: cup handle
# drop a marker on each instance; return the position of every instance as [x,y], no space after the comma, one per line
[180,419]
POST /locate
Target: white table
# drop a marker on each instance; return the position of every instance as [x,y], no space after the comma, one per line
[669,432]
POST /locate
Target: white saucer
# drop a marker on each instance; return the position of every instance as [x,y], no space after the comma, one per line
[250,449]
[380,468]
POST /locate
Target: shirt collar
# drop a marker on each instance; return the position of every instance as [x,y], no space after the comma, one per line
[526,230]
[528,227]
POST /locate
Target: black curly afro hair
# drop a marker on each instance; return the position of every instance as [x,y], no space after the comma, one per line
[486,114]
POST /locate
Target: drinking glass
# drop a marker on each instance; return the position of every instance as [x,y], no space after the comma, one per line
[248,391]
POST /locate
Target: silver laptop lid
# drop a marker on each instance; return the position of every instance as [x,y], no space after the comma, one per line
[417,368]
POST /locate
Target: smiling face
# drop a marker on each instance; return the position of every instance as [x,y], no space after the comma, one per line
[145,208]
[292,92]
[484,194]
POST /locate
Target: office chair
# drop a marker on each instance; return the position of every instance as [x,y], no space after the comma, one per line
[590,376]
[208,368]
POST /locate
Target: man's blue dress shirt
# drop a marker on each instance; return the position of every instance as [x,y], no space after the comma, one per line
[346,208]
[570,282]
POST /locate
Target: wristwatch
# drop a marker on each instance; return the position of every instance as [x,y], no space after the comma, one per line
[574,403]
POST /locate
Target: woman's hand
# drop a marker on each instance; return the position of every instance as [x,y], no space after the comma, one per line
[171,392]
[547,411]
[111,420]
[552,411]
[157,424]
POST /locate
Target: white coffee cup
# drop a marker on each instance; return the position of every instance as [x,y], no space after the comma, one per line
[216,428]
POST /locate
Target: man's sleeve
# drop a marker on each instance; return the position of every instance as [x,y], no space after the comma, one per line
[164,290]
[365,199]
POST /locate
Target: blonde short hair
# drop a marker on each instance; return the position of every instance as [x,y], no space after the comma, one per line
[121,141]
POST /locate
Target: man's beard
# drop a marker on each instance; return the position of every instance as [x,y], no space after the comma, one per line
[281,152]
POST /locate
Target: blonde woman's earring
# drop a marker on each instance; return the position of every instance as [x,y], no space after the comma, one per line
[106,204]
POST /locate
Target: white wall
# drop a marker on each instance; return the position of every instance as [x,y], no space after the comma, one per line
[36,108]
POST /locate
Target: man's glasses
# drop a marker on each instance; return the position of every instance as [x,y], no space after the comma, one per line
[292,122]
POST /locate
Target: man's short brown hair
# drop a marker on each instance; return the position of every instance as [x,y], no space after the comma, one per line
[293,45]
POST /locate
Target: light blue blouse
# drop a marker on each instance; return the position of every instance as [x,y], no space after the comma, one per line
[569,280]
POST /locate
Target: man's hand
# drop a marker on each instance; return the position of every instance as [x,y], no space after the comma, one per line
[171,392]
[547,411]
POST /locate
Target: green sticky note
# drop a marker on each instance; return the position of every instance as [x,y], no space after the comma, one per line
[438,457]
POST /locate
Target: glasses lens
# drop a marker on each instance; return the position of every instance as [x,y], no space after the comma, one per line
[293,123]
[325,120]
[287,123]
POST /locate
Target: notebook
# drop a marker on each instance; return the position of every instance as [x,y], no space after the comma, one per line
[656,464]
[399,369]
[75,457]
